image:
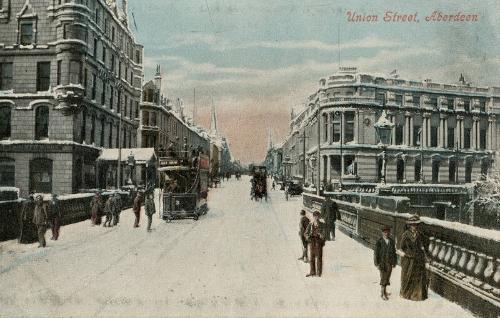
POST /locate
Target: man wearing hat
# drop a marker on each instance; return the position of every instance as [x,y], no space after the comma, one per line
[40,218]
[414,281]
[385,259]
[304,222]
[315,235]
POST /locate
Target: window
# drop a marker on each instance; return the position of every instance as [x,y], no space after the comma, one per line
[103,93]
[112,63]
[119,105]
[467,138]
[467,105]
[125,104]
[435,171]
[450,104]
[468,171]
[26,37]
[418,169]
[94,86]
[400,170]
[350,165]
[104,54]
[97,15]
[130,108]
[434,136]
[103,126]
[399,99]
[416,100]
[41,175]
[482,139]
[95,47]
[136,109]
[59,66]
[5,76]
[138,57]
[153,119]
[5,122]
[336,127]
[43,76]
[145,118]
[7,172]
[399,134]
[92,129]
[124,141]
[75,72]
[451,138]
[325,127]
[111,97]
[65,30]
[42,122]
[83,128]
[417,136]
[349,126]
[113,33]
[117,141]
[110,136]
[85,79]
[120,69]
[482,106]
[452,171]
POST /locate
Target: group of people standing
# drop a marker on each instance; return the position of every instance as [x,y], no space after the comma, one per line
[42,216]
[414,281]
[113,206]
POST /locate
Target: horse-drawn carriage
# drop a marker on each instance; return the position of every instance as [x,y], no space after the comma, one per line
[259,183]
[186,187]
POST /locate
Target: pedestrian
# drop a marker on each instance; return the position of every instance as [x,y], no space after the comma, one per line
[274,185]
[27,228]
[96,209]
[137,208]
[315,235]
[117,200]
[149,209]
[304,222]
[40,218]
[109,210]
[55,216]
[414,282]
[385,259]
[329,210]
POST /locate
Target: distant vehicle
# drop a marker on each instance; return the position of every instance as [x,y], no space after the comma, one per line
[294,188]
[186,191]
[259,183]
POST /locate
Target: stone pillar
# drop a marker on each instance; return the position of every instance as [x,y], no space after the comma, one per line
[488,134]
[330,125]
[356,125]
[393,130]
[445,131]
[475,125]
[440,136]
[460,132]
[411,131]
[426,129]
[407,129]
[494,133]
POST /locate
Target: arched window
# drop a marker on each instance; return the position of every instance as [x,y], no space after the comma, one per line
[4,122]
[400,170]
[42,122]
[92,129]
[435,171]
[452,169]
[41,175]
[110,136]
[103,126]
[7,172]
[418,169]
[380,163]
[83,128]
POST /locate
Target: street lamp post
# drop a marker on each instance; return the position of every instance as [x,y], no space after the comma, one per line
[131,164]
[383,128]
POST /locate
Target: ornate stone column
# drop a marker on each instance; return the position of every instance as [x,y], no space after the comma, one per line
[426,129]
[328,169]
[411,130]
[475,122]
[460,131]
[356,126]
[330,127]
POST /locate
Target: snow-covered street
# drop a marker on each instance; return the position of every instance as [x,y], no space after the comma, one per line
[238,260]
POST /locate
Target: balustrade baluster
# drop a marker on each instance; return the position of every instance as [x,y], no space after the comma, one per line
[463,262]
[496,279]
[454,259]
[432,240]
[447,257]
[479,270]
[471,265]
[488,273]
[437,247]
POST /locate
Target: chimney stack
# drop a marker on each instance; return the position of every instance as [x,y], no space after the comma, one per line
[125,10]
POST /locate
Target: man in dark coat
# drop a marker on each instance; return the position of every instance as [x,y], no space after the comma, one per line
[109,210]
[414,281]
[304,222]
[96,209]
[27,228]
[385,259]
[315,235]
[137,208]
[329,210]
[40,218]
[117,200]
[149,209]
[55,216]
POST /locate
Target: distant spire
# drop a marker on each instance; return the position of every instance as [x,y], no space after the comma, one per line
[462,79]
[270,139]
[213,122]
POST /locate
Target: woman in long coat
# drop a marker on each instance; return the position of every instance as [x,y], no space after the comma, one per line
[414,282]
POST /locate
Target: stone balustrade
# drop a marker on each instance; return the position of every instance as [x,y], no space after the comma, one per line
[463,260]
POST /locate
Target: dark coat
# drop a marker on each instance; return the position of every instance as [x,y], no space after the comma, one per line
[96,205]
[329,211]
[149,207]
[414,281]
[55,209]
[304,222]
[137,204]
[385,254]
[315,233]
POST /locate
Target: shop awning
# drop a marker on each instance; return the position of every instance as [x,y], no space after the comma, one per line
[141,155]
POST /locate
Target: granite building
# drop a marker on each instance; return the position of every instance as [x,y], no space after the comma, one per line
[70,85]
[441,133]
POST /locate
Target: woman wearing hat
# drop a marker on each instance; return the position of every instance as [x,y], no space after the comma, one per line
[413,273]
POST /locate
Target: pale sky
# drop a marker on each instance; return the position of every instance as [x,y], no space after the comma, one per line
[257,59]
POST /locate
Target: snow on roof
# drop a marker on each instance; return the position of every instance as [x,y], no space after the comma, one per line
[141,155]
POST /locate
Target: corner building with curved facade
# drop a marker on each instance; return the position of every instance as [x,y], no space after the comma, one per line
[70,85]
[442,134]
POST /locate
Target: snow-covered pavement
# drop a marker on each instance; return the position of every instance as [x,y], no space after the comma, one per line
[238,260]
